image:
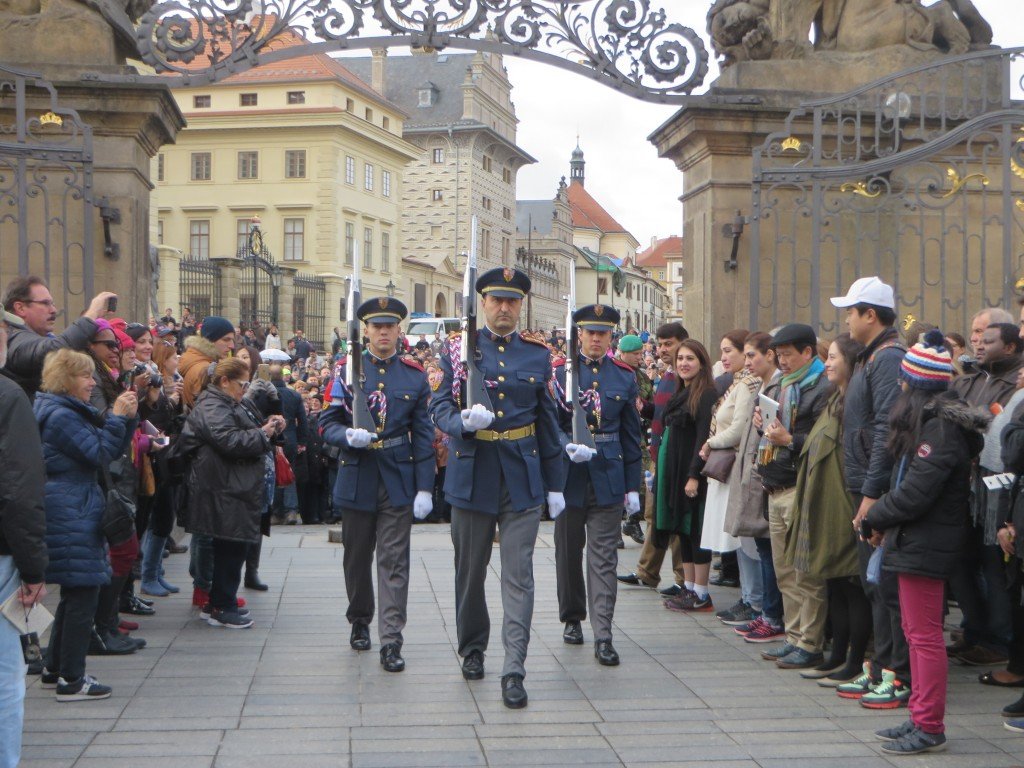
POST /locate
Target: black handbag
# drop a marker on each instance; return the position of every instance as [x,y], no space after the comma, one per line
[118,515]
[719,464]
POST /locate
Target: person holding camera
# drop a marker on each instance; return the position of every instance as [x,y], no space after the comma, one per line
[225,476]
[77,443]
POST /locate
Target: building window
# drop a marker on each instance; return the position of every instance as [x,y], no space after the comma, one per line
[629,290]
[485,243]
[160,167]
[368,114]
[201,166]
[487,203]
[506,247]
[385,251]
[661,274]
[295,164]
[487,163]
[160,232]
[679,302]
[350,105]
[506,213]
[199,238]
[368,177]
[436,194]
[350,170]
[385,183]
[296,97]
[602,285]
[350,242]
[248,99]
[201,102]
[242,237]
[367,248]
[435,231]
[385,123]
[294,239]
[438,156]
[506,175]
[248,165]
[419,298]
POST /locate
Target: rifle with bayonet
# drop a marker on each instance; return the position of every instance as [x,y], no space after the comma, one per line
[581,434]
[361,416]
[475,393]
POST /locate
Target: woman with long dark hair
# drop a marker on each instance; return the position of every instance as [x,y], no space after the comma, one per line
[921,524]
[681,489]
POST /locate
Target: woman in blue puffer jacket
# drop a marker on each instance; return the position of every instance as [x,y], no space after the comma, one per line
[77,442]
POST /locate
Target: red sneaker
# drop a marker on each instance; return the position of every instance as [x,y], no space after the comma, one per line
[745,629]
[200,597]
[765,633]
[241,602]
[128,626]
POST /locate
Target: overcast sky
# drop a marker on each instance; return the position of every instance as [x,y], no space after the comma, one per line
[623,169]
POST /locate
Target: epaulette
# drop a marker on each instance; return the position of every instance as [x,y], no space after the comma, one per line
[532,340]
[412,364]
[624,365]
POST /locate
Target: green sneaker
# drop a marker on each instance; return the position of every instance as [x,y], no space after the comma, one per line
[888,694]
[858,686]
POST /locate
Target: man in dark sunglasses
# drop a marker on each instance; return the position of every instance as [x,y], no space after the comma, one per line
[31,337]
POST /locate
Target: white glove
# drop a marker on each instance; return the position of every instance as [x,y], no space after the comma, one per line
[477,417]
[358,438]
[579,453]
[556,504]
[422,505]
[632,502]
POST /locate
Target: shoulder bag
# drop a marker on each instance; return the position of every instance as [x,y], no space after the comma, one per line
[119,513]
[719,464]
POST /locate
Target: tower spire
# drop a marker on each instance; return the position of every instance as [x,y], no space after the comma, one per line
[577,165]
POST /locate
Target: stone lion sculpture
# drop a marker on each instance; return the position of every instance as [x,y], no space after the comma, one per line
[743,30]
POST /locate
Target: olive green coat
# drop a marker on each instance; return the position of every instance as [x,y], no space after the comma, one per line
[821,541]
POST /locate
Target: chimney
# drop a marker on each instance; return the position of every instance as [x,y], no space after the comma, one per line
[377,69]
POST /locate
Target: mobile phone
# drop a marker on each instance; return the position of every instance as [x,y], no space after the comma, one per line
[128,379]
[866,531]
[112,304]
[161,441]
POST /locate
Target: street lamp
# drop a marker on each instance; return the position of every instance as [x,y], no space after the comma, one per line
[390,288]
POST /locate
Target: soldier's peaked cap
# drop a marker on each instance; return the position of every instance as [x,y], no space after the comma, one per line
[382,310]
[596,317]
[505,283]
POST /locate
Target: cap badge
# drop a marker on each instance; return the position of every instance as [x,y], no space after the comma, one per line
[507,273]
[383,303]
[598,310]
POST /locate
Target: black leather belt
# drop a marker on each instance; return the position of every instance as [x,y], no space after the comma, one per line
[391,442]
[606,437]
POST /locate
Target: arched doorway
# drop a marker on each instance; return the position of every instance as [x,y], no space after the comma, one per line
[440,306]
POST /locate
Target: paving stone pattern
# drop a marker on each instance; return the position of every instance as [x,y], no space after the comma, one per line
[290,692]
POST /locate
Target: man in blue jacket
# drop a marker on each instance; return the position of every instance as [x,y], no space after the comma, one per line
[502,462]
[380,475]
[295,436]
[600,479]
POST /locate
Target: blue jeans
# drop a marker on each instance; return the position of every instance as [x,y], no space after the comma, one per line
[12,673]
[771,603]
[200,566]
[751,580]
[286,499]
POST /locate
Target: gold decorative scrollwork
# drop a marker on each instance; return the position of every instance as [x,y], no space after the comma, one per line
[51,118]
[908,321]
[792,143]
[860,188]
[959,183]
[1019,285]
[1018,171]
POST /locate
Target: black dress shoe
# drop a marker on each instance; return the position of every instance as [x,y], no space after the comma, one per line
[360,639]
[632,579]
[724,581]
[573,634]
[606,654]
[391,658]
[135,606]
[513,694]
[473,666]
[252,581]
[672,591]
[1014,710]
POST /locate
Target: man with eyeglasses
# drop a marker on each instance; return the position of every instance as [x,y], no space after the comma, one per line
[31,338]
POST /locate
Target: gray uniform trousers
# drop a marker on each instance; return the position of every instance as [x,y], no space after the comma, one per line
[473,536]
[598,528]
[387,530]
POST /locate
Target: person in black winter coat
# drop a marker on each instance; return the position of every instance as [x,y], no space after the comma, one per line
[286,500]
[921,525]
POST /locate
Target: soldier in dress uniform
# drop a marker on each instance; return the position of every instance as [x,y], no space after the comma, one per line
[598,482]
[380,476]
[502,463]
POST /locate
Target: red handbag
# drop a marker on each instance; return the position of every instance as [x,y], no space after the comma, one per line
[283,473]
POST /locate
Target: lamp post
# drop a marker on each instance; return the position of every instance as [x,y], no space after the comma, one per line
[390,288]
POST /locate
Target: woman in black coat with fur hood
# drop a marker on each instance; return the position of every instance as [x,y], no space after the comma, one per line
[934,437]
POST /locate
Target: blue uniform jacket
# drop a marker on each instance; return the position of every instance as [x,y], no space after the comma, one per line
[401,413]
[616,468]
[518,374]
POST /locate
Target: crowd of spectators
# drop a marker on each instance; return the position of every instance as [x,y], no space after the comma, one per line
[852,488]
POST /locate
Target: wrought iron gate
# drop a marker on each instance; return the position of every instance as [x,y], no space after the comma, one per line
[47,212]
[917,178]
[261,280]
[309,309]
[200,287]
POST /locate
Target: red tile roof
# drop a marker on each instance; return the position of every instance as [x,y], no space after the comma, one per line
[588,213]
[664,247]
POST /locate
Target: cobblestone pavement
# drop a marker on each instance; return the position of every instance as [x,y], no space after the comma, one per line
[290,692]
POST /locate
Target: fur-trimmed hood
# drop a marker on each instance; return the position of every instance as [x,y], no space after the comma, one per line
[974,421]
[198,351]
[202,346]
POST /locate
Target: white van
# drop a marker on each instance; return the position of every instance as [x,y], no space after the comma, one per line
[434,328]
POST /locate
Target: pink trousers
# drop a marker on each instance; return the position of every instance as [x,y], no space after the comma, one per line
[921,603]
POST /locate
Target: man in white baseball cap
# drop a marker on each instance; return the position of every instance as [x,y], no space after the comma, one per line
[867,290]
[870,315]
